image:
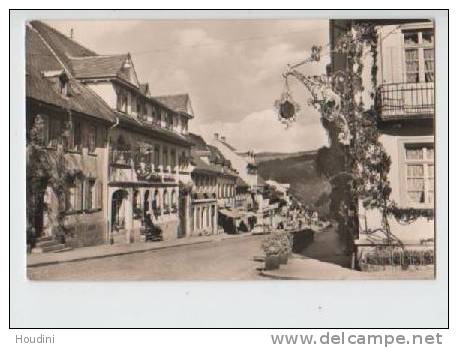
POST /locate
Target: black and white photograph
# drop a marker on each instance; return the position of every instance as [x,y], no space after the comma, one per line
[225,149]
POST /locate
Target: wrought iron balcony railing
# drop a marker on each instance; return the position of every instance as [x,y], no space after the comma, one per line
[398,101]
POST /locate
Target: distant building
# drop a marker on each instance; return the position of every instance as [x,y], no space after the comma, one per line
[214,192]
[283,189]
[243,161]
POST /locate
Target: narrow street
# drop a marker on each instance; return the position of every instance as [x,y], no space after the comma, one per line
[329,248]
[230,259]
[227,259]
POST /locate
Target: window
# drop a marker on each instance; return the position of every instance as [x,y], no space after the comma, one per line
[419,173]
[91,138]
[156,156]
[412,66]
[185,126]
[173,201]
[121,103]
[90,195]
[53,132]
[429,64]
[63,86]
[419,55]
[173,155]
[70,197]
[165,157]
[155,201]
[139,107]
[168,121]
[156,116]
[77,143]
[99,195]
[73,196]
[182,160]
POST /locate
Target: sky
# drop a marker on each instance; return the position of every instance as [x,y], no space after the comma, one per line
[232,70]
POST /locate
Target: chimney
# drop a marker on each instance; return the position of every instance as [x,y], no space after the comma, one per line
[216,136]
[71,33]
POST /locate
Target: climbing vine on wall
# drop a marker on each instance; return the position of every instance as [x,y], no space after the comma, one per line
[352,126]
[45,169]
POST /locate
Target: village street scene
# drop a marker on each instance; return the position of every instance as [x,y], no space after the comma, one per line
[230,150]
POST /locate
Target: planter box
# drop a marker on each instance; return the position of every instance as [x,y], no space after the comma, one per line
[283,259]
[272,262]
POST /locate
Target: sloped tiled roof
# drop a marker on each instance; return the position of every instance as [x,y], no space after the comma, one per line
[40,59]
[203,167]
[63,46]
[176,102]
[98,66]
[198,142]
[161,133]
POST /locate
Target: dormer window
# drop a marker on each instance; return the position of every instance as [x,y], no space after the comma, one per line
[60,80]
[63,84]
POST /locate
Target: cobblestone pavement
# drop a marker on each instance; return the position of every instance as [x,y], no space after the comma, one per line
[227,259]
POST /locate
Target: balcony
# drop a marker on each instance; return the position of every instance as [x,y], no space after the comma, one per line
[403,101]
[130,167]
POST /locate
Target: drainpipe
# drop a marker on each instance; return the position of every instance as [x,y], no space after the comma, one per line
[109,222]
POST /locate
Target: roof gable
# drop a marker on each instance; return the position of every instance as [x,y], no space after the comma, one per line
[112,66]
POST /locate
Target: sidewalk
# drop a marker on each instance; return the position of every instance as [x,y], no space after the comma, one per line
[107,250]
[303,268]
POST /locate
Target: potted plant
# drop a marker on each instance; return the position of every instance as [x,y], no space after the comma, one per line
[272,248]
[285,246]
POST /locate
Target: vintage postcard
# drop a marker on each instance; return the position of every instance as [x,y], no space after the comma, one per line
[230,149]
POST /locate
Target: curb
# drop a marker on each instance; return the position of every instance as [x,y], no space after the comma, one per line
[121,253]
[278,277]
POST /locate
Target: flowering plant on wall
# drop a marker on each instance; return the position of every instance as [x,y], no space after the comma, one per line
[338,98]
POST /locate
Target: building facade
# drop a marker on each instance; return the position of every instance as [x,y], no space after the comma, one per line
[146,152]
[70,211]
[213,193]
[404,106]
